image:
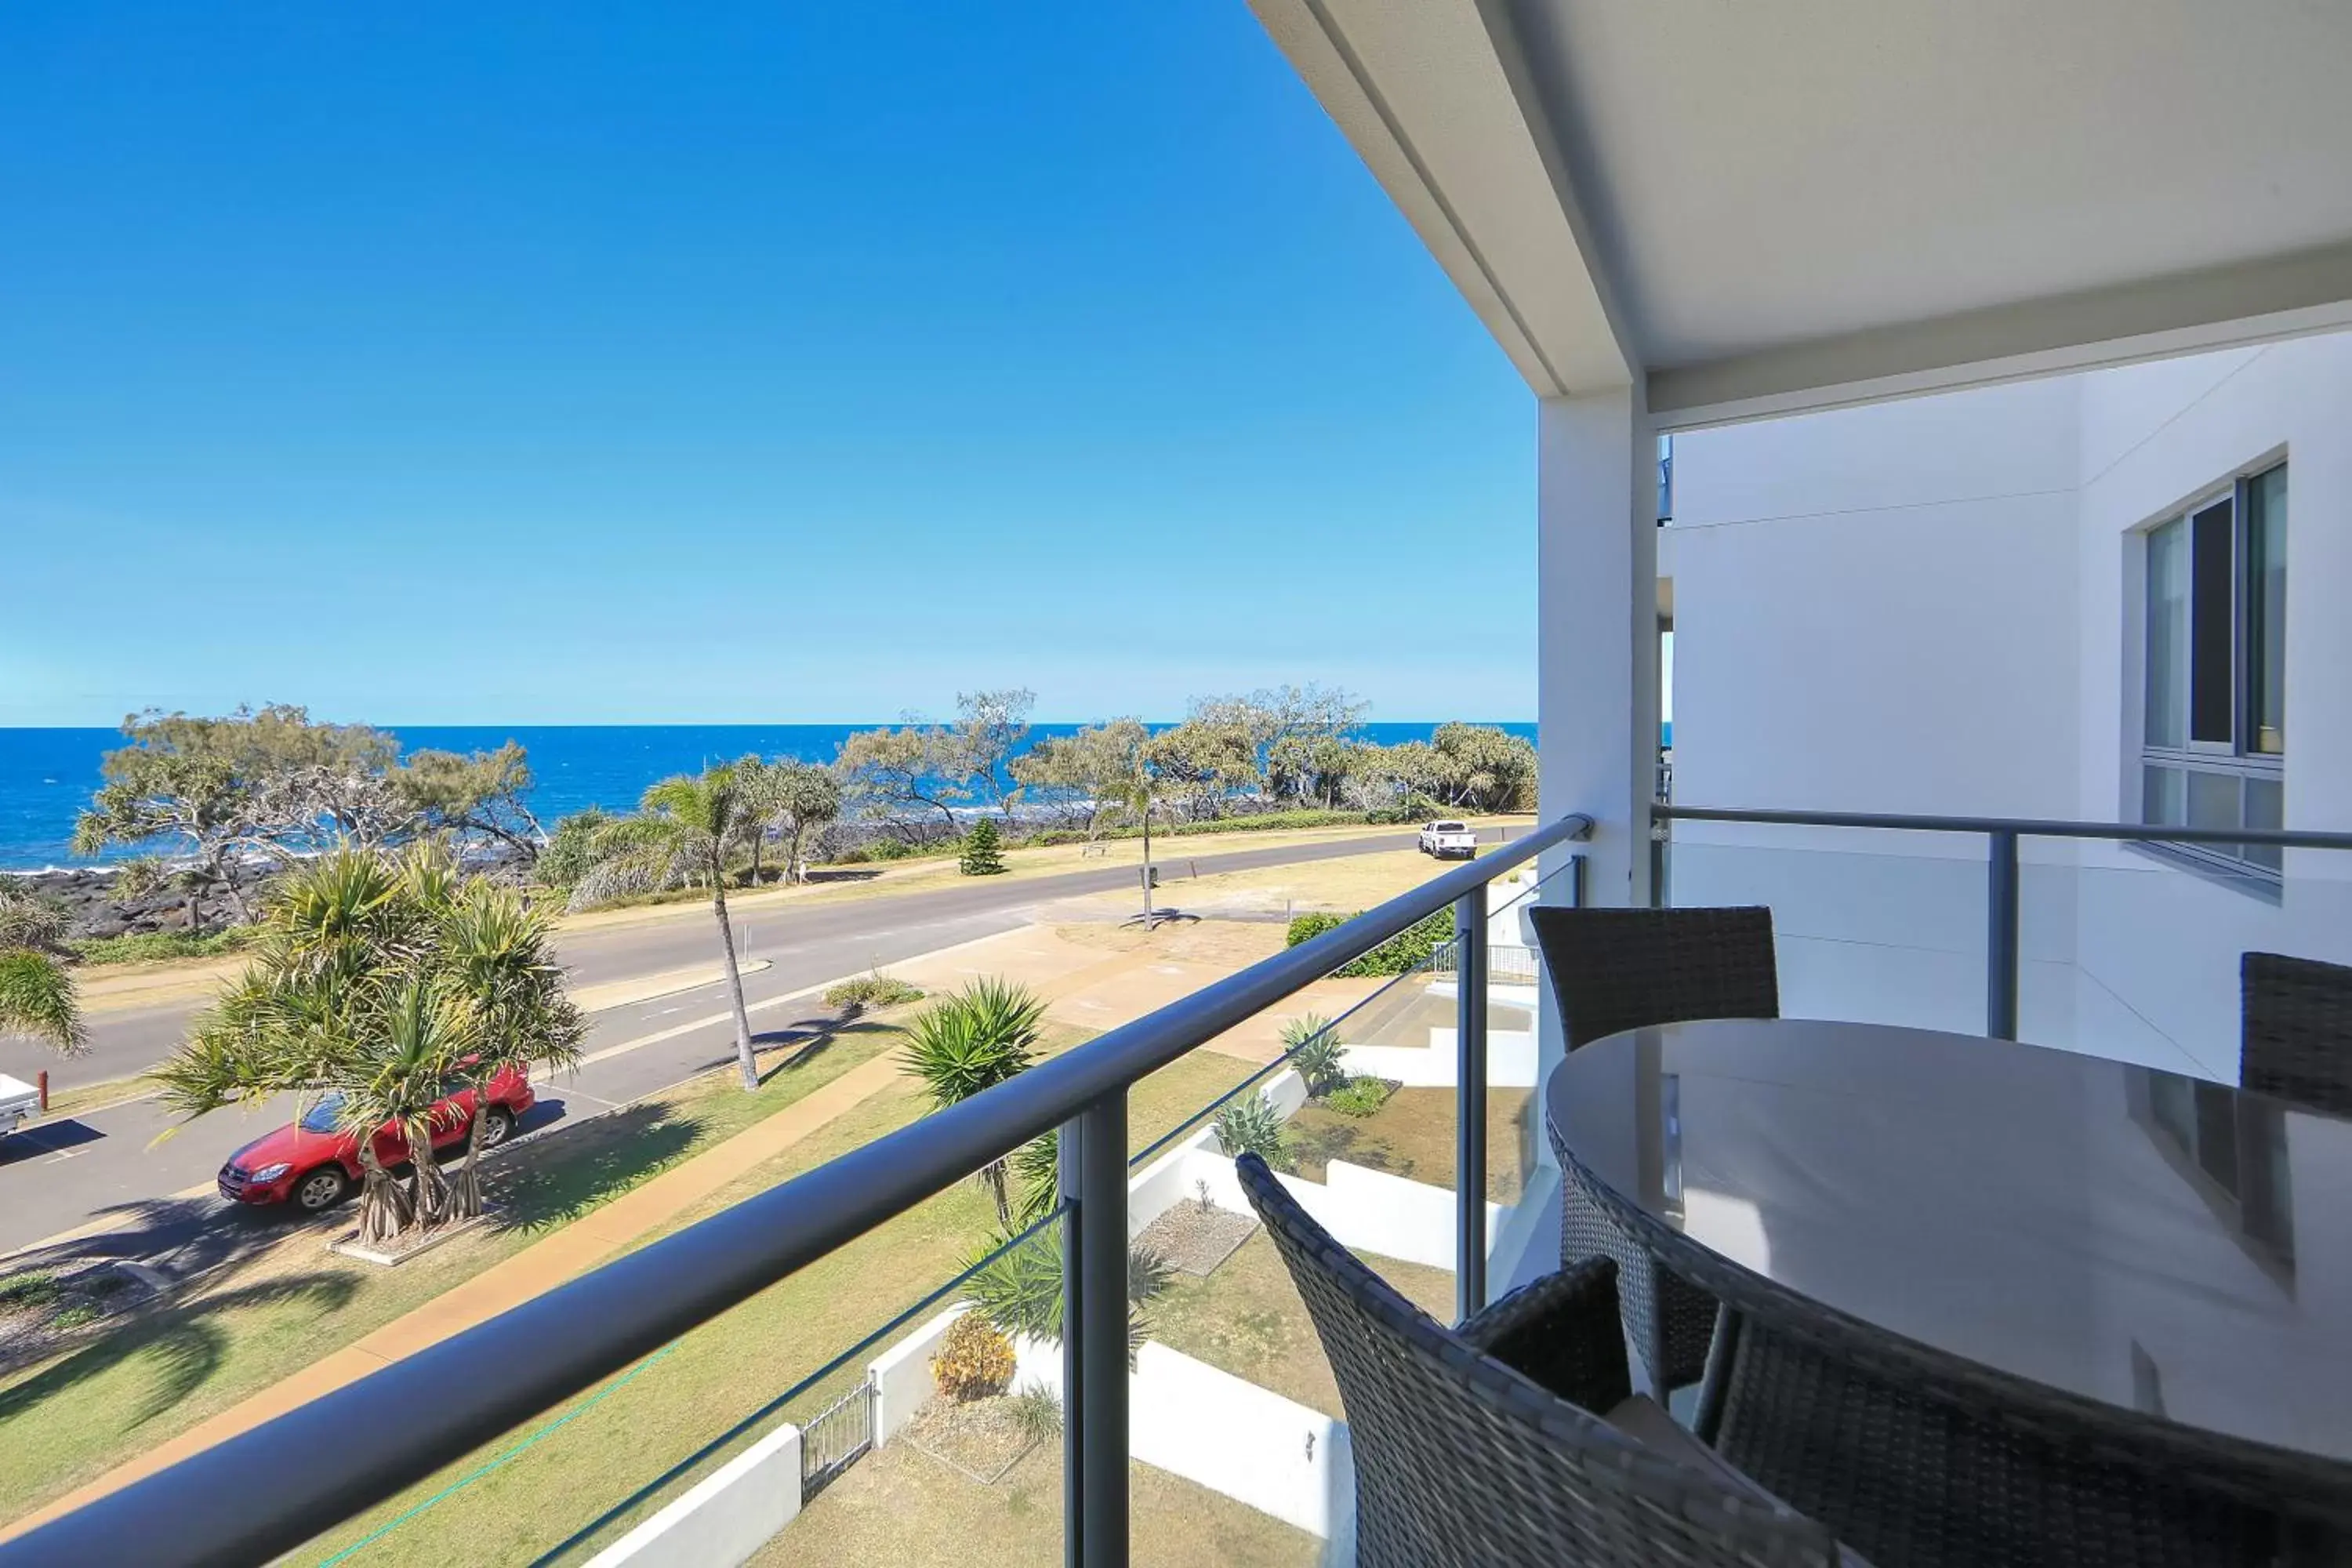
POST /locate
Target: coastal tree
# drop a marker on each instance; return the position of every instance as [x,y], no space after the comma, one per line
[1201,762]
[789,796]
[38,999]
[803,798]
[1095,766]
[477,796]
[988,733]
[686,828]
[1286,726]
[889,771]
[967,1044]
[168,783]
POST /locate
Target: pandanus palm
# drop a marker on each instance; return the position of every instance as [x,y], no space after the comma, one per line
[968,1043]
[375,981]
[38,996]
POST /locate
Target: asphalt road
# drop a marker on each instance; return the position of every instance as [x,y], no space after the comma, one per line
[108,1164]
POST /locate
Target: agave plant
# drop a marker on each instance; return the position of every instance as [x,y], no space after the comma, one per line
[969,1042]
[1249,1124]
[1313,1044]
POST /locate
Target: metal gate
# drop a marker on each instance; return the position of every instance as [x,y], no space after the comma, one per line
[836,1438]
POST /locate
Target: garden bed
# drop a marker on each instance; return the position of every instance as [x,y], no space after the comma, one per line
[981,1438]
[1195,1237]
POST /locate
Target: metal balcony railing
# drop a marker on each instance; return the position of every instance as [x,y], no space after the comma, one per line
[270,1489]
[2003,835]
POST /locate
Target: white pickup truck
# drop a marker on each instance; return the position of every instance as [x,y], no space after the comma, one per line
[19,1102]
[1444,839]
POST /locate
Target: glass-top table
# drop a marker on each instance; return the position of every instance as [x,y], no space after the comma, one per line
[2163,1245]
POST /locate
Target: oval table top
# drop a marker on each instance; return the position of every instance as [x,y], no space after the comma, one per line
[2164,1245]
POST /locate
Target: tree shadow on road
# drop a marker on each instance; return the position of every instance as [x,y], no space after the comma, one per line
[549,1185]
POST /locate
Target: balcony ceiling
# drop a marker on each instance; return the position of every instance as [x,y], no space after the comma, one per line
[1756,206]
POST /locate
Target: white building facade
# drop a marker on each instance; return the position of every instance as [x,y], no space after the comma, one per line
[2104,597]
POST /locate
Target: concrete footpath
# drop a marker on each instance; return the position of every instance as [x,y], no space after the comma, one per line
[1057,969]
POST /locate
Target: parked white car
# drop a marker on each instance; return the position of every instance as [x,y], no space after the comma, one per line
[1446,838]
[19,1101]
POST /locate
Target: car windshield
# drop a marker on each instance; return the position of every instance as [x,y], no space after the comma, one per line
[326,1116]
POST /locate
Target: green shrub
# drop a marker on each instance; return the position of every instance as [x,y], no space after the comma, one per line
[1249,1124]
[1312,1043]
[30,1289]
[1307,927]
[1411,809]
[155,947]
[875,990]
[984,854]
[890,848]
[1358,1096]
[1018,1288]
[1037,1413]
[1408,950]
[572,849]
[1401,954]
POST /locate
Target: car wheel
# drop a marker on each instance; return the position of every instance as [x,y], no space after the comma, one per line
[498,1122]
[322,1189]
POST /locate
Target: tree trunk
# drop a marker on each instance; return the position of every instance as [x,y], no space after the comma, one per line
[793,858]
[425,1180]
[466,1190]
[1146,868]
[196,909]
[744,1057]
[385,1209]
[994,1174]
[758,841]
[221,873]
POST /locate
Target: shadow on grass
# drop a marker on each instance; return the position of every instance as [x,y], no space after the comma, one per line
[593,1163]
[183,1343]
[1315,1143]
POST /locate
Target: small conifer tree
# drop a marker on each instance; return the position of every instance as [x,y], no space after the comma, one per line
[981,854]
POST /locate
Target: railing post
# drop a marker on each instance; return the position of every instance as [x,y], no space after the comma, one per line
[1094,1337]
[1470,1097]
[2001,936]
[1068,1175]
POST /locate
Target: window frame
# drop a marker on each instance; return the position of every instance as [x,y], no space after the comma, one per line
[2235,759]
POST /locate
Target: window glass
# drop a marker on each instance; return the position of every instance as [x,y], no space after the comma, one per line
[2212,617]
[2163,796]
[2168,636]
[2266,611]
[2213,802]
[2266,810]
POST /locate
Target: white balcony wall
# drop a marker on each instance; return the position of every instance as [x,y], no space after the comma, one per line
[1931,606]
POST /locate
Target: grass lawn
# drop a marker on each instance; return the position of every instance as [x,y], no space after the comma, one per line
[901,1505]
[76,1414]
[577,1488]
[1247,1319]
[1414,1135]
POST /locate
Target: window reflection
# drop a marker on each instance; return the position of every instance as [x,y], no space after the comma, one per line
[2232,1148]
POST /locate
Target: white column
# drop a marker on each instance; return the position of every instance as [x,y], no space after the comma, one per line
[1597,634]
[1596,703]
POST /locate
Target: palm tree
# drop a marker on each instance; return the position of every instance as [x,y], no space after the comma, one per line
[688,826]
[497,953]
[376,980]
[38,999]
[968,1043]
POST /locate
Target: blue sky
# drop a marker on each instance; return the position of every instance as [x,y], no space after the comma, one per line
[630,362]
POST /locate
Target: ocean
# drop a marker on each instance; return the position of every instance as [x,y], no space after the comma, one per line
[48,775]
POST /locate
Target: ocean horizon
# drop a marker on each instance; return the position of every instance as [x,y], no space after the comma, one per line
[48,775]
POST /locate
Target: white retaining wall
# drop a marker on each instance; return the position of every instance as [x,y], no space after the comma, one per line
[726,1517]
[902,1375]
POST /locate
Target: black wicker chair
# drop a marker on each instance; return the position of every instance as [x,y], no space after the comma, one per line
[1625,969]
[1480,1446]
[2296,1039]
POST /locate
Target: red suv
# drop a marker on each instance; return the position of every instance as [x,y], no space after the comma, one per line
[314,1163]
